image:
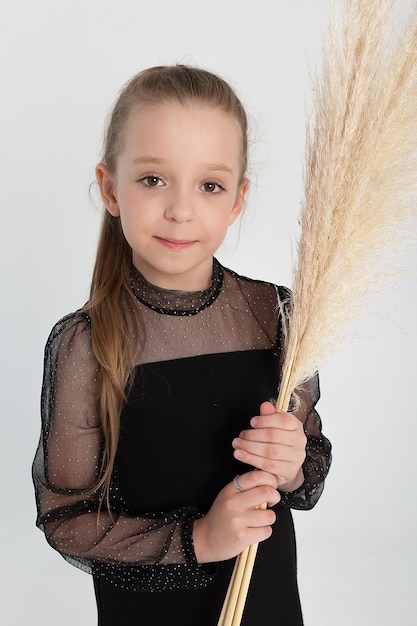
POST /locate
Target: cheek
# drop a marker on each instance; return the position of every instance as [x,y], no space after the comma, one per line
[135,213]
[132,223]
[219,226]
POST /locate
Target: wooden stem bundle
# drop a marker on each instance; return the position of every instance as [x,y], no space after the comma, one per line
[359,198]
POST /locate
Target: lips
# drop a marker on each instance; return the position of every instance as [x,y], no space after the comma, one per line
[175,244]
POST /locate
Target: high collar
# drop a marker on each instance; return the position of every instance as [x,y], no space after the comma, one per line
[172,302]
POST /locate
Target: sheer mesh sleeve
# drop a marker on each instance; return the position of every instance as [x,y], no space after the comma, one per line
[318,448]
[151,552]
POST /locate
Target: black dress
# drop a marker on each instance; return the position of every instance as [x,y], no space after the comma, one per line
[208,361]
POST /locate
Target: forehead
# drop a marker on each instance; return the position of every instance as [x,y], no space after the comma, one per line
[173,126]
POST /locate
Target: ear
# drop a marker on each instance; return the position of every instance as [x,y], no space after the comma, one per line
[106,186]
[239,201]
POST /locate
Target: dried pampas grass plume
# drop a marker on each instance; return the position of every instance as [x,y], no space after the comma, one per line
[360,180]
[360,198]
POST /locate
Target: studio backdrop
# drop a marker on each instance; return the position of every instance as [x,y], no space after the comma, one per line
[62,64]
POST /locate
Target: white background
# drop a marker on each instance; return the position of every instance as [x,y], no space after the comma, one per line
[61,65]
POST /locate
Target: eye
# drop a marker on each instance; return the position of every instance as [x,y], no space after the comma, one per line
[212,187]
[152,181]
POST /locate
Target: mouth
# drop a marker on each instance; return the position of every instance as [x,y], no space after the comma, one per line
[175,244]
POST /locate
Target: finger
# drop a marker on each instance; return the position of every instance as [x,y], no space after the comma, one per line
[256,487]
[245,450]
[253,498]
[257,478]
[257,534]
[283,470]
[279,468]
[261,517]
[267,408]
[276,436]
[284,421]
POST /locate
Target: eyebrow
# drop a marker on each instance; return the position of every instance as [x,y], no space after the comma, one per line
[218,167]
[213,167]
[148,159]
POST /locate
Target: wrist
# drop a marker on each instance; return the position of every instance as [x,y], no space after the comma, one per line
[293,484]
[198,541]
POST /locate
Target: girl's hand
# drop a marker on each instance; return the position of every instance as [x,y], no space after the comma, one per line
[276,443]
[233,523]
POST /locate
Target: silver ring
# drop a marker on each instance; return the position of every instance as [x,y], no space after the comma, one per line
[236,484]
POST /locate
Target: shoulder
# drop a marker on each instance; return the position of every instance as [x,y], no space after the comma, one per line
[74,327]
[258,289]
[265,303]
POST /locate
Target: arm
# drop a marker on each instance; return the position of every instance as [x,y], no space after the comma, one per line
[318,458]
[291,446]
[149,552]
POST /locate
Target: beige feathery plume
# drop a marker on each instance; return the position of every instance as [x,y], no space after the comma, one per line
[360,180]
[360,198]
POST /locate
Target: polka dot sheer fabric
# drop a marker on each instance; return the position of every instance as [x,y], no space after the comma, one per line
[131,546]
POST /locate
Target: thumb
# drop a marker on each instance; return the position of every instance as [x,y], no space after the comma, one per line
[267,408]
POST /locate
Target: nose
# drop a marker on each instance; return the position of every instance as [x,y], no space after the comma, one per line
[179,206]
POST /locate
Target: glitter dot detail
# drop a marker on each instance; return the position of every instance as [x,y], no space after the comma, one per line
[179,303]
[152,551]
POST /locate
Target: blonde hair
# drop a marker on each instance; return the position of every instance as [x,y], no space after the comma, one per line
[111,303]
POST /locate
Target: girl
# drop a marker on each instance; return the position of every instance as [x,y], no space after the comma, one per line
[158,440]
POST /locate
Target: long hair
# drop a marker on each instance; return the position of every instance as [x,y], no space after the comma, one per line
[116,330]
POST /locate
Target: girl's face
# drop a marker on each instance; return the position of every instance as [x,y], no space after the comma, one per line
[177,188]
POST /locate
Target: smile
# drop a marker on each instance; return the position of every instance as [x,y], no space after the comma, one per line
[175,244]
